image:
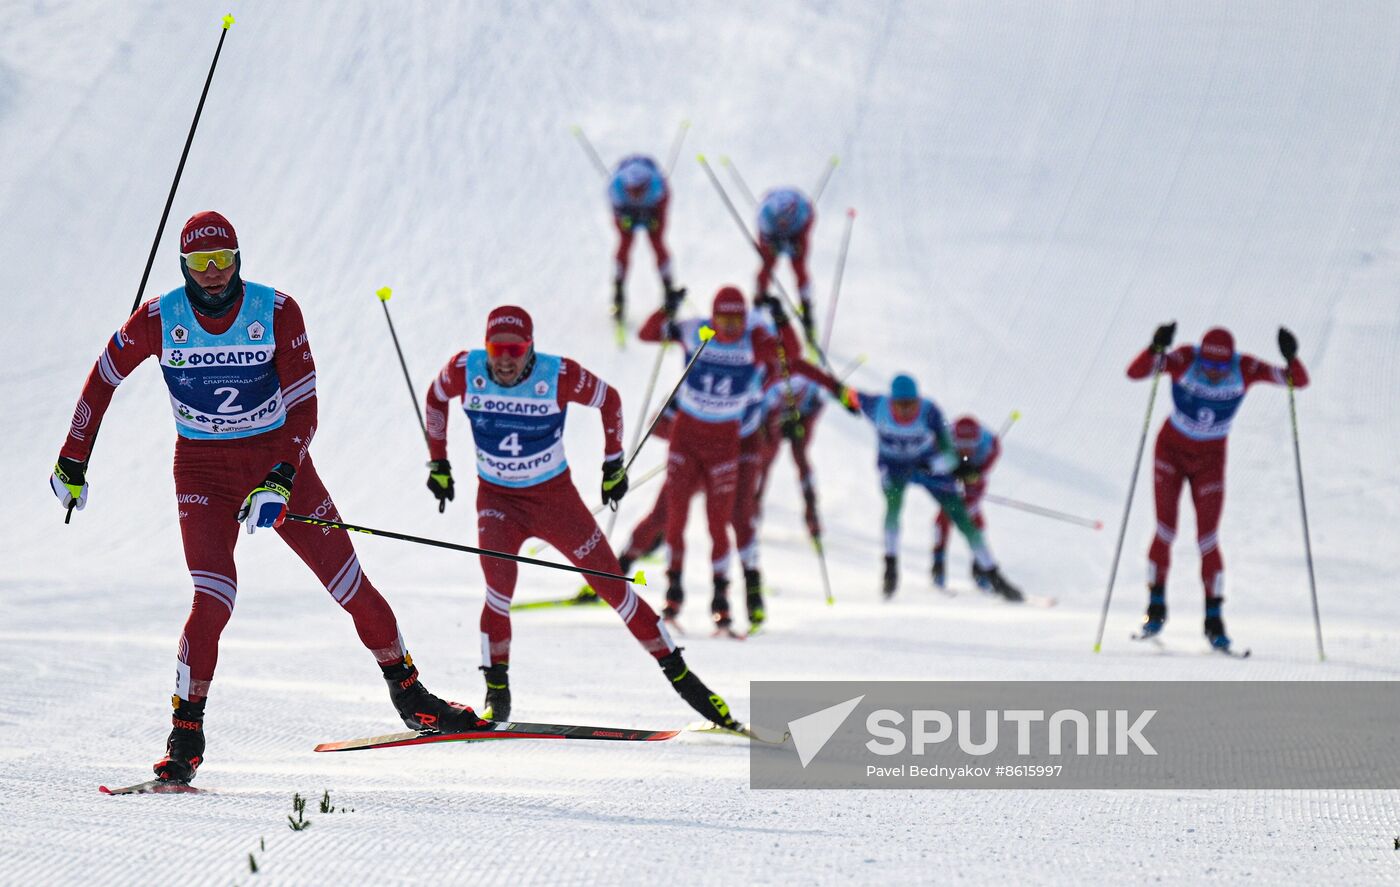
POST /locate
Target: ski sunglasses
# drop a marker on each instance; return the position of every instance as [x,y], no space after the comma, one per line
[199,260]
[508,349]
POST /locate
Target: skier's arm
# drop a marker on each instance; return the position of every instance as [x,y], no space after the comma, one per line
[297,370]
[1174,363]
[578,385]
[1255,370]
[657,329]
[450,382]
[992,455]
[138,339]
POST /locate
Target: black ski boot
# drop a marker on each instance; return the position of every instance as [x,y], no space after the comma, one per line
[619,305]
[421,710]
[753,597]
[1215,624]
[891,575]
[999,584]
[940,572]
[675,596]
[184,750]
[624,564]
[809,512]
[719,606]
[699,697]
[1156,611]
[497,705]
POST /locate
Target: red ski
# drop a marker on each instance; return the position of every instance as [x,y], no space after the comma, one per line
[153,787]
[502,730]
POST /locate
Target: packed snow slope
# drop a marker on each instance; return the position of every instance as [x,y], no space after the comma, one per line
[1037,186]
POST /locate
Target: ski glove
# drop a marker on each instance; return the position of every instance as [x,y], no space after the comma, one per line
[440,482]
[69,482]
[967,472]
[614,482]
[775,310]
[674,298]
[1287,344]
[1162,339]
[793,429]
[266,506]
[849,399]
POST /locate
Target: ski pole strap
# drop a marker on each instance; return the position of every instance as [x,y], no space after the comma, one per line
[639,579]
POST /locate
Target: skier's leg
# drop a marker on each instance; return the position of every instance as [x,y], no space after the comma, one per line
[806,477]
[682,480]
[950,501]
[331,557]
[561,519]
[624,249]
[656,232]
[893,486]
[721,479]
[746,502]
[1208,495]
[1167,479]
[765,271]
[499,528]
[651,530]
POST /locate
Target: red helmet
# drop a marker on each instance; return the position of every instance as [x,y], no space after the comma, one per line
[1218,345]
[966,433]
[729,302]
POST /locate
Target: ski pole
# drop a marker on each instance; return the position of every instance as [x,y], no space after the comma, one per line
[1303,506]
[1128,505]
[840,270]
[1045,512]
[855,365]
[739,182]
[826,177]
[227,23]
[384,293]
[598,509]
[676,147]
[1010,420]
[589,150]
[743,228]
[826,577]
[639,579]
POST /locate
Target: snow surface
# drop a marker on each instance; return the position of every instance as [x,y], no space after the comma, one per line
[1038,185]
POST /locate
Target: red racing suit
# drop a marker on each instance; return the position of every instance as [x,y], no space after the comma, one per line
[525,489]
[1191,448]
[212,478]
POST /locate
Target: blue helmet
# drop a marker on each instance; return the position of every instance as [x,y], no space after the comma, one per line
[904,388]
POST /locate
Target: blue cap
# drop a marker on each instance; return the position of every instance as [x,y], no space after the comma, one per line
[904,388]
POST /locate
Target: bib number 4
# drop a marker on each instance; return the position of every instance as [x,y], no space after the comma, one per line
[511,444]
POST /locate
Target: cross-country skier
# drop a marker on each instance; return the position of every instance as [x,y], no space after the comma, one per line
[914,447]
[785,217]
[704,451]
[516,400]
[1208,385]
[639,195]
[242,385]
[978,450]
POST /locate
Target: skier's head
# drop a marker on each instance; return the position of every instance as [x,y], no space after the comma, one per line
[636,179]
[904,398]
[1217,352]
[966,433]
[729,314]
[210,263]
[510,345]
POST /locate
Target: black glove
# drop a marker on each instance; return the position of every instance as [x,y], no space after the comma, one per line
[69,482]
[266,505]
[1162,339]
[674,298]
[440,482]
[775,309]
[793,429]
[1287,344]
[849,399]
[614,482]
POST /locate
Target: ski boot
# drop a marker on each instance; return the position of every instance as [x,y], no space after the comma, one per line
[981,580]
[420,709]
[619,302]
[674,297]
[1215,625]
[675,596]
[497,705]
[998,584]
[814,524]
[699,697]
[940,573]
[891,575]
[753,597]
[1156,612]
[624,563]
[719,609]
[184,750]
